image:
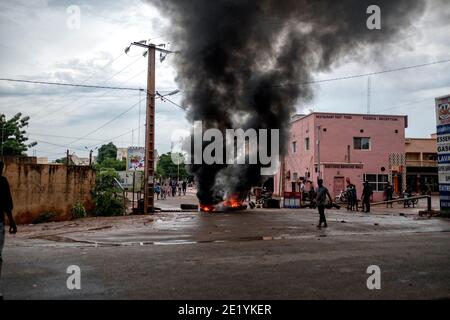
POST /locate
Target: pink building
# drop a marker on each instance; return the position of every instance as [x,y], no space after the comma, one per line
[356,146]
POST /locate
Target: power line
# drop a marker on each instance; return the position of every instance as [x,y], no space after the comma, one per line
[87,103]
[363,74]
[176,104]
[83,82]
[164,98]
[276,85]
[119,136]
[71,84]
[63,137]
[57,145]
[80,138]
[406,104]
[108,122]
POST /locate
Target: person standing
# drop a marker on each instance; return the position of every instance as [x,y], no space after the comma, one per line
[179,188]
[157,190]
[389,192]
[321,201]
[174,187]
[302,191]
[184,186]
[6,206]
[366,194]
[168,189]
[311,195]
[350,191]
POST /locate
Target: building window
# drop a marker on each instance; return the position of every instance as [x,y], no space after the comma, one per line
[306,144]
[361,143]
[294,147]
[377,181]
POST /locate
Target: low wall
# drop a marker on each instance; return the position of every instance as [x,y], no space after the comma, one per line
[42,188]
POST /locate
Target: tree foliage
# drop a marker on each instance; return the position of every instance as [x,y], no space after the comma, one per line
[13,141]
[64,161]
[109,163]
[107,196]
[107,158]
[107,151]
[167,168]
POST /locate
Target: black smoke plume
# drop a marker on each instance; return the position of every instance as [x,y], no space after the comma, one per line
[246,63]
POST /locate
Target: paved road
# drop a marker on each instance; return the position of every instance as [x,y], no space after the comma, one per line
[257,254]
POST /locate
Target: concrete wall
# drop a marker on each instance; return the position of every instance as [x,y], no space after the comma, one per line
[40,188]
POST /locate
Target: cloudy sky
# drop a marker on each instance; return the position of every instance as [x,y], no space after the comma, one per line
[38,42]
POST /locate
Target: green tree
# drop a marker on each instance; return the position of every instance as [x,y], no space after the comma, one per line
[109,163]
[107,151]
[167,168]
[12,135]
[64,161]
[107,196]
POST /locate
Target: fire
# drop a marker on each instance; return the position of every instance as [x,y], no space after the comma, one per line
[207,208]
[233,202]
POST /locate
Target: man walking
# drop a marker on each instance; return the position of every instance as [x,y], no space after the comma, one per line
[321,199]
[6,206]
[366,194]
[184,186]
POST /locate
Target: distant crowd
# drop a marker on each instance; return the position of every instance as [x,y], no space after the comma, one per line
[170,188]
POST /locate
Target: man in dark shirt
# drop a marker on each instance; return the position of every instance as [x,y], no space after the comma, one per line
[366,194]
[6,206]
[389,192]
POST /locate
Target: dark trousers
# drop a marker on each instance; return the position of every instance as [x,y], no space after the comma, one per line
[366,204]
[388,198]
[322,215]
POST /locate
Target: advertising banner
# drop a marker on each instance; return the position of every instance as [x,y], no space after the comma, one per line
[443,149]
[135,159]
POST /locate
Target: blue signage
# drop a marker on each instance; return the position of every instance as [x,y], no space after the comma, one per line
[443,129]
[444,158]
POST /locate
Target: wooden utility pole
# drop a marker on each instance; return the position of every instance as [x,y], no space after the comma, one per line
[149,174]
[319,176]
[90,157]
[149,169]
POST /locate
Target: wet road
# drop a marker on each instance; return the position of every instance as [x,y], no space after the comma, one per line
[257,254]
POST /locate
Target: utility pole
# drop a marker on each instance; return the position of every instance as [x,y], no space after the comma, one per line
[318,153]
[368,94]
[3,120]
[149,169]
[139,125]
[67,157]
[90,154]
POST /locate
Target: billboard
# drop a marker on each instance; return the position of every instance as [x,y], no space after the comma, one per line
[443,149]
[126,179]
[135,158]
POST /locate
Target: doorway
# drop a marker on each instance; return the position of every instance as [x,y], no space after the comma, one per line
[338,185]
